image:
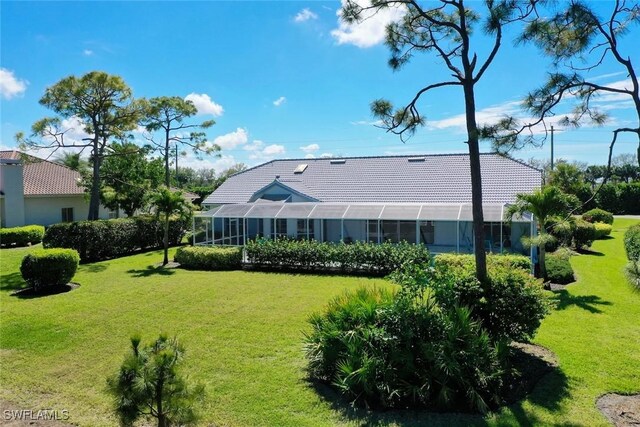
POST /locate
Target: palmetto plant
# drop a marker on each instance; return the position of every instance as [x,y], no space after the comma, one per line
[547,205]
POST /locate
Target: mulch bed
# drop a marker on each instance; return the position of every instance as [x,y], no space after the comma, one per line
[621,410]
[532,362]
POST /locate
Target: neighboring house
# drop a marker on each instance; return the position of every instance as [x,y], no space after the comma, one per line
[424,199]
[37,191]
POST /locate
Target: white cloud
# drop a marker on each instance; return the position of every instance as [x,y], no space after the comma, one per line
[305,15]
[273,149]
[310,156]
[310,148]
[10,85]
[367,123]
[255,146]
[231,140]
[204,104]
[325,155]
[371,30]
[87,52]
[217,163]
[278,102]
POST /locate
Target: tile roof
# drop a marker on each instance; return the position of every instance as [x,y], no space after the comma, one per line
[42,177]
[440,178]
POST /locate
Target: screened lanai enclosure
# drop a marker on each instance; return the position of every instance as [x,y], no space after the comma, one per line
[441,227]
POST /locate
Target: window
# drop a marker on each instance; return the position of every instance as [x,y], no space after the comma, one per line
[281,227]
[113,214]
[427,232]
[389,231]
[302,229]
[407,231]
[67,214]
[373,231]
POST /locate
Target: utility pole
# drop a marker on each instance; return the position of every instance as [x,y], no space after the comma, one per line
[551,147]
[178,181]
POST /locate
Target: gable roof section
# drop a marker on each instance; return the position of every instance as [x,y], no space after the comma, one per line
[44,178]
[440,178]
[294,187]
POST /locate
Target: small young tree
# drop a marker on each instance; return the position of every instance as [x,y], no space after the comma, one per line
[169,203]
[546,205]
[150,385]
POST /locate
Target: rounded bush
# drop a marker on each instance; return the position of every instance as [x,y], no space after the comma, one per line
[598,215]
[602,230]
[506,260]
[559,269]
[212,259]
[49,267]
[21,236]
[584,234]
[632,242]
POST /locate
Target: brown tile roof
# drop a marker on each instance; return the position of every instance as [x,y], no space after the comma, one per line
[42,177]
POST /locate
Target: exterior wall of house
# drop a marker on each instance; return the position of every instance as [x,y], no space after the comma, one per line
[11,185]
[48,210]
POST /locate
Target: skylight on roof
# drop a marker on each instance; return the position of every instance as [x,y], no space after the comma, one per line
[417,159]
[301,168]
[338,161]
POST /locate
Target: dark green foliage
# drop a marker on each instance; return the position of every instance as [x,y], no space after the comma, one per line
[507,260]
[563,233]
[632,242]
[630,198]
[584,234]
[49,267]
[150,384]
[394,351]
[598,215]
[511,304]
[203,258]
[602,230]
[104,239]
[311,255]
[21,236]
[559,269]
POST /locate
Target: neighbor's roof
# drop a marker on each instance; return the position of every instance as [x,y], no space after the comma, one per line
[440,178]
[42,177]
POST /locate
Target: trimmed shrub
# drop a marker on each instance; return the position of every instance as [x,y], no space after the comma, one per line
[381,349]
[21,236]
[563,232]
[49,267]
[584,234]
[310,255]
[602,230]
[559,269]
[598,215]
[212,259]
[105,239]
[632,242]
[505,260]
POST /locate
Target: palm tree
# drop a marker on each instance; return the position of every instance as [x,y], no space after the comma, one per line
[72,161]
[169,203]
[546,204]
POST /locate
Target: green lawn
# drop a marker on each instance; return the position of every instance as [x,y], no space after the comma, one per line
[243,332]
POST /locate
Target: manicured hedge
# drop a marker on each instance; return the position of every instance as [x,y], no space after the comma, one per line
[49,267]
[104,239]
[632,242]
[21,236]
[507,260]
[584,234]
[202,258]
[559,269]
[602,230]
[310,255]
[598,215]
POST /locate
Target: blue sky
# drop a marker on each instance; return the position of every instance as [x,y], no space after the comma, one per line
[281,79]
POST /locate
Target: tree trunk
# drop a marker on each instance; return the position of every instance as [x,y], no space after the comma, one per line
[94,200]
[167,174]
[476,181]
[165,240]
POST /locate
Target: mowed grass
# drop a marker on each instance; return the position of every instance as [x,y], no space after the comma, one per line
[243,334]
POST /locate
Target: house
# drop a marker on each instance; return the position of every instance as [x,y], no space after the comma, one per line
[37,191]
[421,199]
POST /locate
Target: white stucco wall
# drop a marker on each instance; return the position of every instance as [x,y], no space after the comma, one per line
[48,210]
[13,214]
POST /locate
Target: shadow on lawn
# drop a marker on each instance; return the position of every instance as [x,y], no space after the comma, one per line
[94,268]
[11,281]
[564,299]
[549,390]
[152,271]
